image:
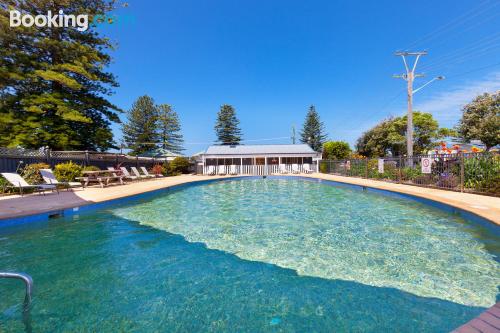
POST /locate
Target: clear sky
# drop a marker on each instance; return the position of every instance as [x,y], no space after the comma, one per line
[272,59]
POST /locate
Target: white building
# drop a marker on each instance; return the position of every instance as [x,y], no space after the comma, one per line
[258,159]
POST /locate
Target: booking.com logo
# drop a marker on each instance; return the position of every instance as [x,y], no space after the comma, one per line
[60,20]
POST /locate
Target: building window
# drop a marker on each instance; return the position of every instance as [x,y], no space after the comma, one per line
[273,160]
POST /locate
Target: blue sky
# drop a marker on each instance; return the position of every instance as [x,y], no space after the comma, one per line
[272,59]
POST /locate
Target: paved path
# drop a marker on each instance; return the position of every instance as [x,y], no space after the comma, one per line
[15,206]
[487,322]
[482,205]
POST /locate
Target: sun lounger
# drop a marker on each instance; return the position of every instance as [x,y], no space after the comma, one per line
[233,170]
[49,177]
[282,168]
[211,170]
[19,183]
[221,170]
[127,174]
[307,168]
[137,174]
[295,168]
[145,171]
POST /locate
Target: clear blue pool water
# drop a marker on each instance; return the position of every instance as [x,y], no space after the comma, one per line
[254,255]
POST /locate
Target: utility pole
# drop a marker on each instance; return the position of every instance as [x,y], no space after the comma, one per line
[293,134]
[409,77]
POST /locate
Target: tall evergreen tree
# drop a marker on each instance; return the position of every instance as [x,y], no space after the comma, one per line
[169,129]
[53,83]
[140,130]
[227,126]
[313,131]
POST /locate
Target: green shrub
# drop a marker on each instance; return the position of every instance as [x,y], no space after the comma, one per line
[482,171]
[31,173]
[323,167]
[336,150]
[409,173]
[67,172]
[178,165]
[90,168]
[492,186]
[448,180]
[423,179]
[4,185]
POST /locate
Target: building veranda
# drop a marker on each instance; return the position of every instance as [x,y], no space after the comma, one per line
[258,159]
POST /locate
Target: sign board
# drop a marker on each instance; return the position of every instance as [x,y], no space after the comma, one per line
[380,165]
[426,163]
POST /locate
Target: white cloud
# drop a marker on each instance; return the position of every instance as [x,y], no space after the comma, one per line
[446,107]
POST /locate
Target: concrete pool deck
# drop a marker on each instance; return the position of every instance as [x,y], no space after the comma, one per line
[17,206]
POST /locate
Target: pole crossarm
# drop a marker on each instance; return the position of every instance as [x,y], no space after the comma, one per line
[406,53]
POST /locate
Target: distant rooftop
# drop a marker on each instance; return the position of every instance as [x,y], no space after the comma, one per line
[259,149]
[160,152]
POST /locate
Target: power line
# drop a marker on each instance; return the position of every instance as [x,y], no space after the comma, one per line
[487,41]
[460,58]
[475,70]
[458,21]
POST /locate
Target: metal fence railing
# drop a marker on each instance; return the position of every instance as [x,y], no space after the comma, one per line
[465,172]
[12,158]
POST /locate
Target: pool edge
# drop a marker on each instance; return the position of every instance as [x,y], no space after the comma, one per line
[439,203]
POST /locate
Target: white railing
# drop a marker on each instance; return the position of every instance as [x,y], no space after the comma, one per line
[258,170]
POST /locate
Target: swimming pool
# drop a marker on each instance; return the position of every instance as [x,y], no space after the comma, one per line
[253,254]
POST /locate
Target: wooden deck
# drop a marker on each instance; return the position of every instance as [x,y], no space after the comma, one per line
[487,322]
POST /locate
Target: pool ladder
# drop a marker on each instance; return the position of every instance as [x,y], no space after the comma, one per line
[28,281]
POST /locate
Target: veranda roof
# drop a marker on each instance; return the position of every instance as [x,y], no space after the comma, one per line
[260,150]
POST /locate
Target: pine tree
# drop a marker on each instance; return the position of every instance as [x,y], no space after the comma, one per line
[169,129]
[140,130]
[313,132]
[227,126]
[53,85]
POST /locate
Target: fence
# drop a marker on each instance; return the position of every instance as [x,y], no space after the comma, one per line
[465,172]
[13,158]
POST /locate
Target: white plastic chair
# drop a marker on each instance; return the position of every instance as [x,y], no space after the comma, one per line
[211,170]
[295,168]
[282,168]
[127,174]
[49,177]
[145,171]
[232,170]
[307,168]
[137,174]
[221,170]
[21,184]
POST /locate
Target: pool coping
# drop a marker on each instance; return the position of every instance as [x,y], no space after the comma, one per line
[444,200]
